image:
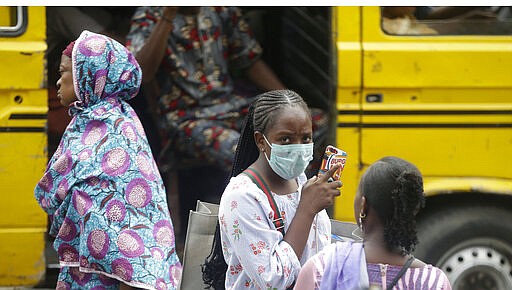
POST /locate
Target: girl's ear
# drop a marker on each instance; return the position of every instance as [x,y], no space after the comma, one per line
[259,140]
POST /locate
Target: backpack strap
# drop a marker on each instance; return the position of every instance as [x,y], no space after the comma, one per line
[260,182]
[401,273]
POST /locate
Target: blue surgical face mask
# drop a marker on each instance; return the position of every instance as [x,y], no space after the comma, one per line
[289,161]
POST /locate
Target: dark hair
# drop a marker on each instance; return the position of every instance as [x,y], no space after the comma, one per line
[394,188]
[261,116]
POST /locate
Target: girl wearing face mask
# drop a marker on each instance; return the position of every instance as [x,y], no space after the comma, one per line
[276,143]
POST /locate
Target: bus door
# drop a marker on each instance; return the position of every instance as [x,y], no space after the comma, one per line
[23,108]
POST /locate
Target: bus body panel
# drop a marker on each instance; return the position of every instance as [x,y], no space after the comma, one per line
[23,109]
[441,102]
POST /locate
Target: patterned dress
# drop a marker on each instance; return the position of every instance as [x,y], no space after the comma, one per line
[379,275]
[256,254]
[102,188]
[198,107]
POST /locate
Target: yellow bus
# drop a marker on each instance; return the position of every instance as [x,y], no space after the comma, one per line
[23,109]
[435,91]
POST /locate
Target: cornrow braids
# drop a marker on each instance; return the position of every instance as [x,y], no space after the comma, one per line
[246,150]
[214,267]
[394,188]
[261,115]
[269,103]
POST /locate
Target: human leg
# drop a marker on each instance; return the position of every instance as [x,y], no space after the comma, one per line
[213,141]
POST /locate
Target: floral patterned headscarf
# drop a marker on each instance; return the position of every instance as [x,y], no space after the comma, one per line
[103,70]
[102,187]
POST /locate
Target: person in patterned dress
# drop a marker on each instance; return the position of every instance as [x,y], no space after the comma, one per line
[102,188]
[191,53]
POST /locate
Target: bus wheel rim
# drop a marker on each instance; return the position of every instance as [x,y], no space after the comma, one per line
[478,263]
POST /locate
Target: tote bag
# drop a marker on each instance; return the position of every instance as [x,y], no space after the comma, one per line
[198,243]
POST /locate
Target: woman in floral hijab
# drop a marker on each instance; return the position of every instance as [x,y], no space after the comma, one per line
[102,188]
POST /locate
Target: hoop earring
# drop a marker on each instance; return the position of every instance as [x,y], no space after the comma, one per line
[362,216]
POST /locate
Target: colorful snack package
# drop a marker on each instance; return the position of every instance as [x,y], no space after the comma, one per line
[333,156]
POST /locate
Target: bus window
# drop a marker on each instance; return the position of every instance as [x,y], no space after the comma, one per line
[447,20]
[13,20]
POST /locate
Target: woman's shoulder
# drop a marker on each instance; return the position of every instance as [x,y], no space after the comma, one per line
[239,181]
[419,264]
[416,265]
[436,274]
[432,270]
[320,259]
[240,186]
[332,250]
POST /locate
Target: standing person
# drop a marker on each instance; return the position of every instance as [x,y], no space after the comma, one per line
[102,188]
[188,56]
[276,143]
[191,53]
[390,195]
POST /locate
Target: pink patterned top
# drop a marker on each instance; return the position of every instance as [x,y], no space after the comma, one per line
[254,250]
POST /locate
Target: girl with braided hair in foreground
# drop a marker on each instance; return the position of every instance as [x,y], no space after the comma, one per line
[276,143]
[390,195]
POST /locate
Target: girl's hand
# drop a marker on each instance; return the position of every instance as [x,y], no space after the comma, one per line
[318,193]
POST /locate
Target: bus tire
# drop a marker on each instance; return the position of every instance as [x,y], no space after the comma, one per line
[471,244]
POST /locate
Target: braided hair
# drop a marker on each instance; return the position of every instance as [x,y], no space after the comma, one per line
[393,187]
[261,116]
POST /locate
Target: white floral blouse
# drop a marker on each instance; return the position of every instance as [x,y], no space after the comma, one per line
[256,254]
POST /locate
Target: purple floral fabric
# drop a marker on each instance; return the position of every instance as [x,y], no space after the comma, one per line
[102,188]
